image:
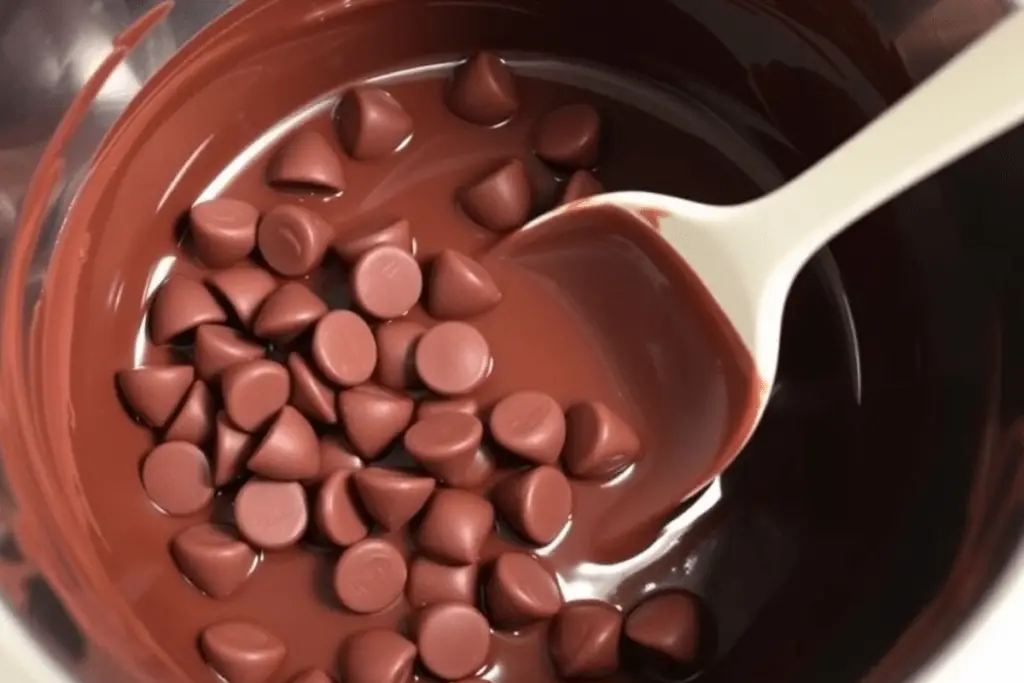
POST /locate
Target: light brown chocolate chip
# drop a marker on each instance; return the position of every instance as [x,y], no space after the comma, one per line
[536,503]
[392,497]
[454,639]
[378,656]
[231,450]
[335,454]
[312,676]
[460,287]
[453,358]
[483,90]
[386,282]
[253,392]
[520,591]
[431,407]
[569,136]
[194,421]
[359,239]
[499,201]
[667,626]
[218,347]
[344,348]
[371,123]
[432,582]
[455,526]
[582,184]
[181,305]
[288,312]
[289,450]
[176,476]
[599,444]
[153,393]
[373,417]
[446,445]
[292,239]
[584,640]
[396,344]
[310,393]
[242,652]
[244,288]
[213,558]
[271,514]
[223,231]
[337,512]
[370,576]
[306,161]
[530,424]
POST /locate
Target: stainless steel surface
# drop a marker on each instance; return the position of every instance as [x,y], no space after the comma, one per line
[48,48]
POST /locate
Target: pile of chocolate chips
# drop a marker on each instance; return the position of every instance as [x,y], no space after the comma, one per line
[286,405]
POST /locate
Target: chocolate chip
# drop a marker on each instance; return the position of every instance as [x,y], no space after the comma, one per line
[213,558]
[455,526]
[306,161]
[288,312]
[454,639]
[194,421]
[352,244]
[483,90]
[370,576]
[460,287]
[218,347]
[289,451]
[335,455]
[445,445]
[292,239]
[154,393]
[271,514]
[500,200]
[253,392]
[581,184]
[429,408]
[392,497]
[312,676]
[530,424]
[223,231]
[386,282]
[667,626]
[432,582]
[536,503]
[371,123]
[453,358]
[244,288]
[378,656]
[396,344]
[181,305]
[569,136]
[231,449]
[373,417]
[344,348]
[310,394]
[337,514]
[242,652]
[520,591]
[599,444]
[176,476]
[584,640]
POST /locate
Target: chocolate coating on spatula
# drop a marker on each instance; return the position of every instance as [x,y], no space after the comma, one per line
[223,231]
[500,199]
[483,90]
[386,282]
[536,503]
[306,161]
[460,287]
[433,582]
[356,241]
[378,656]
[213,558]
[339,516]
[176,476]
[153,393]
[392,497]
[288,312]
[310,393]
[455,526]
[242,652]
[569,136]
[253,392]
[344,348]
[370,576]
[531,425]
[218,347]
[271,514]
[599,443]
[373,417]
[396,345]
[180,305]
[584,640]
[289,450]
[453,639]
[371,123]
[195,419]
[520,590]
[453,358]
[244,288]
[292,239]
